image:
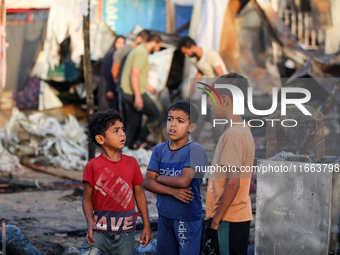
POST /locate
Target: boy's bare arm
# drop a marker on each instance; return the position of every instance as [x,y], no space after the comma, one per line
[179,181]
[229,193]
[143,210]
[88,212]
[182,194]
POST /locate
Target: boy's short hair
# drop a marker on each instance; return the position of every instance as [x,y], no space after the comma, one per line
[232,78]
[154,37]
[186,107]
[100,122]
[186,42]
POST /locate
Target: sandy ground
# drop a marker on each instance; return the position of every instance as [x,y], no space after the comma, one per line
[46,215]
[52,217]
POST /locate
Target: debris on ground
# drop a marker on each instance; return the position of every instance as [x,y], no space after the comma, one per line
[9,163]
[71,251]
[142,155]
[17,242]
[46,140]
[150,249]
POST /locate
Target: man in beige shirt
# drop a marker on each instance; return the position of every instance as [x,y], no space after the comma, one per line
[228,206]
[207,61]
[209,64]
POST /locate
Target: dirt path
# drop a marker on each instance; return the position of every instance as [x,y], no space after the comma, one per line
[52,217]
[47,215]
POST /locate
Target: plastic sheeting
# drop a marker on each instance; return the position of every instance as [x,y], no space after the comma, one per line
[160,63]
[210,24]
[31,4]
[205,28]
[59,145]
[332,43]
[101,39]
[141,155]
[25,41]
[66,17]
[9,163]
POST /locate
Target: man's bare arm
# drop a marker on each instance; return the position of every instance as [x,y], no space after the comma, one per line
[138,104]
[115,71]
[198,75]
[218,70]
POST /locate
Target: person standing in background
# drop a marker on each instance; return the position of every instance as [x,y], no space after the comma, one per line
[207,61]
[134,85]
[107,90]
[119,56]
[209,64]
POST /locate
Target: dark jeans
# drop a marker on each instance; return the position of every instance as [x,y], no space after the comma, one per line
[122,244]
[134,118]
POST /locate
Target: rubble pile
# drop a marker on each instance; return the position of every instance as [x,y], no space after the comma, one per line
[45,140]
[9,163]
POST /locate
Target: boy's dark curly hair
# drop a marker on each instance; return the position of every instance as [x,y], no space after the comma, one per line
[100,122]
[186,107]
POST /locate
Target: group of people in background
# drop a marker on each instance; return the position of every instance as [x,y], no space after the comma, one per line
[124,81]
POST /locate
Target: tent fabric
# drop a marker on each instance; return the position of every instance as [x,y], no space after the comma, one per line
[65,17]
[3,48]
[210,24]
[205,28]
[333,33]
[31,4]
[25,41]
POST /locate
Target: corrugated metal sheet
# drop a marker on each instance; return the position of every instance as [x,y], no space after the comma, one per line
[293,210]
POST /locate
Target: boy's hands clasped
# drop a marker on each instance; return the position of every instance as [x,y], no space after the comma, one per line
[184,195]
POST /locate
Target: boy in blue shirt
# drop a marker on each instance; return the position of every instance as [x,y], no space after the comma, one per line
[170,174]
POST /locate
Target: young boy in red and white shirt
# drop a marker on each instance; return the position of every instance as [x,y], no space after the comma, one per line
[112,181]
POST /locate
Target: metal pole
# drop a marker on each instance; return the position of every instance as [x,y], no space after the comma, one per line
[3,44]
[3,236]
[88,75]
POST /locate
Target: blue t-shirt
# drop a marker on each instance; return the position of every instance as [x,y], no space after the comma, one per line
[171,163]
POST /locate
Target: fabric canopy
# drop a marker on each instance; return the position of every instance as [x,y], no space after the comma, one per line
[31,4]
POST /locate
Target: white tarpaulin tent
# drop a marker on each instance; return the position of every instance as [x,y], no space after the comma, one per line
[31,4]
[205,28]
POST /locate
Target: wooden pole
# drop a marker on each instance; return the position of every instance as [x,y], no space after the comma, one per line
[169,25]
[88,75]
[3,45]
[3,227]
